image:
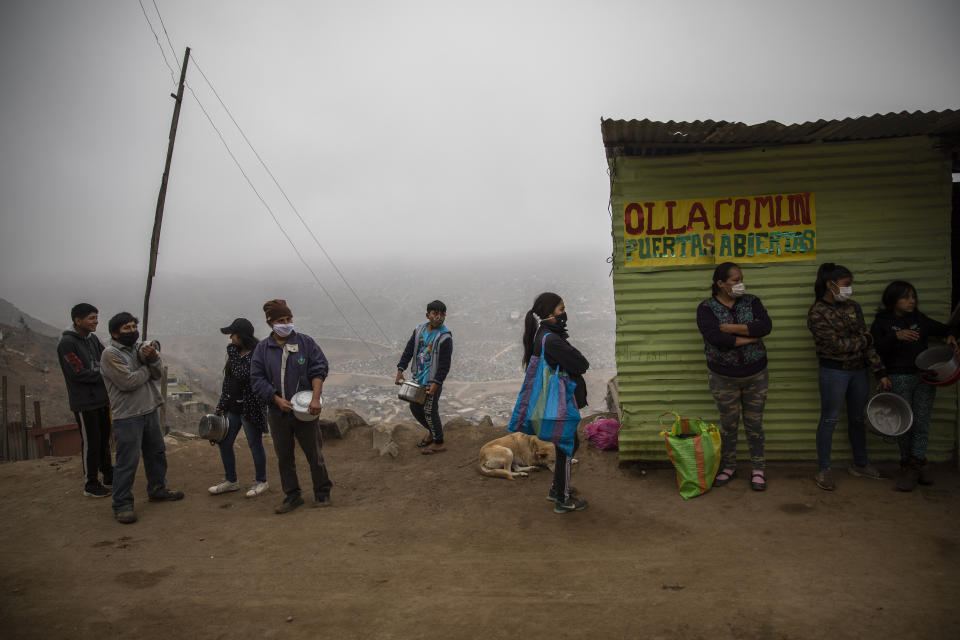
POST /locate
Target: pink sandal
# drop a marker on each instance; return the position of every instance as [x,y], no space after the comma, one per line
[725,476]
[757,481]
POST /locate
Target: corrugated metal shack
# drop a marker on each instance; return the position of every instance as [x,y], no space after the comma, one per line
[872,193]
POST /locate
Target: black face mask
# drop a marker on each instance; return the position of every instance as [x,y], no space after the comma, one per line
[128,339]
[561,320]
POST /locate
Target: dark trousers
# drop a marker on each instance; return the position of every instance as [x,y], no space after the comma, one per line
[428,415]
[286,428]
[561,472]
[134,436]
[94,427]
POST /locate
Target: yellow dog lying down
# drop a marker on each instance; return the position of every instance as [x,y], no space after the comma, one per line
[513,455]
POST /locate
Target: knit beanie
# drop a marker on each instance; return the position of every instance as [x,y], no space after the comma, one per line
[276,309]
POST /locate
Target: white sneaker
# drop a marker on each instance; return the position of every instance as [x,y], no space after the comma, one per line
[257,489]
[224,487]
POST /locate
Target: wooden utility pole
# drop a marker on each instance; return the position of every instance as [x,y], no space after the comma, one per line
[158,218]
[24,425]
[4,446]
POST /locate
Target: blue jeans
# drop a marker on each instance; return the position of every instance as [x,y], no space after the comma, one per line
[133,436]
[255,442]
[836,386]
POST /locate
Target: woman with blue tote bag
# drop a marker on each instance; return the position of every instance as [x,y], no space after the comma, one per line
[545,346]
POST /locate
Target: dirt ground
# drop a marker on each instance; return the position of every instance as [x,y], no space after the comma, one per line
[426,547]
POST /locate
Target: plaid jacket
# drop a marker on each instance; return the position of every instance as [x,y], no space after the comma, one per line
[841,337]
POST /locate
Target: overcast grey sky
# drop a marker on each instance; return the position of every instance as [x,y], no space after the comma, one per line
[400,130]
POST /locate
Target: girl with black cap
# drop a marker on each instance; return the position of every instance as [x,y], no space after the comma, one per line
[242,408]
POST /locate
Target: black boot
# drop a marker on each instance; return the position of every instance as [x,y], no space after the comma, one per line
[925,477]
[908,476]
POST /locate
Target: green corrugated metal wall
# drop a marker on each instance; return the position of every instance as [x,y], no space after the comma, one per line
[883,210]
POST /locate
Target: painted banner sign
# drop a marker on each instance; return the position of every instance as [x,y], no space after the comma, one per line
[768,228]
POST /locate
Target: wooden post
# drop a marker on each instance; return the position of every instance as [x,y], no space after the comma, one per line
[158,217]
[24,423]
[4,444]
[33,445]
[163,407]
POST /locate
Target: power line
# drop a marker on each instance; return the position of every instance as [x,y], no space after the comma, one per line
[157,39]
[164,27]
[292,206]
[277,222]
[255,191]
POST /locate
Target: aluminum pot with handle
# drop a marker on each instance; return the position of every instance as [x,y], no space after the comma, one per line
[412,392]
[213,428]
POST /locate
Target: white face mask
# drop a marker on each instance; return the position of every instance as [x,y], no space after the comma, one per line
[843,293]
[283,330]
[738,290]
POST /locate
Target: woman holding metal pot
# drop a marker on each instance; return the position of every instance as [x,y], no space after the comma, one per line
[846,351]
[901,331]
[243,408]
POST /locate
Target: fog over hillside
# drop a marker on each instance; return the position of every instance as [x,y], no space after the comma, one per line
[485,302]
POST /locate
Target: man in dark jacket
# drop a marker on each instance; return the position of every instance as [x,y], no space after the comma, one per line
[79,355]
[282,364]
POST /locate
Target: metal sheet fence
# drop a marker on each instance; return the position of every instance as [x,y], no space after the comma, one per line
[883,210]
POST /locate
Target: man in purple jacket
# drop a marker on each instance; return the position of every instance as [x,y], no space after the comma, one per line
[284,363]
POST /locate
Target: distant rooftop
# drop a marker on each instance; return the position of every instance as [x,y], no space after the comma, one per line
[651,138]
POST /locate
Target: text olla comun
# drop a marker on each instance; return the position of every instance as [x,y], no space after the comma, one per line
[677,217]
[761,228]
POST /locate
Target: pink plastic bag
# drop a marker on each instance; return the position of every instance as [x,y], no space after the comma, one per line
[603,433]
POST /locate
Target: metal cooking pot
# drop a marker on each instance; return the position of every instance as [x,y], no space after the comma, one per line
[889,414]
[213,427]
[301,405]
[412,392]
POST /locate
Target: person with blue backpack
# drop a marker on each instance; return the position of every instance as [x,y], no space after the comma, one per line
[545,330]
[429,348]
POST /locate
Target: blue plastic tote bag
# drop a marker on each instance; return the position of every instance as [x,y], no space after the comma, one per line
[546,406]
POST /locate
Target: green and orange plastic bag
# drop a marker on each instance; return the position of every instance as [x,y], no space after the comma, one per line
[694,450]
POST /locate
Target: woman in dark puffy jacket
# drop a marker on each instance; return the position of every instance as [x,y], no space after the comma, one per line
[548,316]
[900,334]
[242,408]
[733,324]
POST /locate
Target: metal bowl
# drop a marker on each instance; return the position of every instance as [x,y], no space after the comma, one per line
[301,405]
[889,414]
[937,364]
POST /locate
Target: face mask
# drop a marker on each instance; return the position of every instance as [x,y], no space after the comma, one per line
[561,320]
[738,290]
[843,293]
[436,323]
[283,330]
[128,339]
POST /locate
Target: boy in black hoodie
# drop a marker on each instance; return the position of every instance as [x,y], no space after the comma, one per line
[79,355]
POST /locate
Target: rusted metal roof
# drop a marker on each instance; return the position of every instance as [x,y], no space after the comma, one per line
[651,138]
